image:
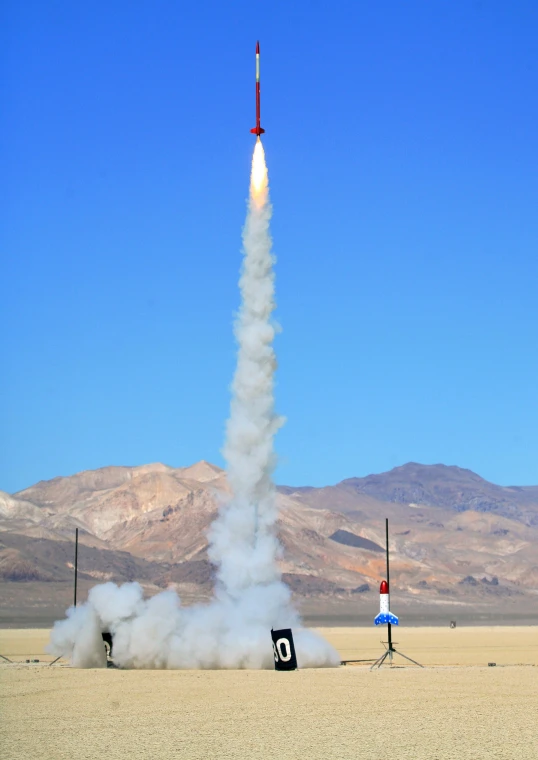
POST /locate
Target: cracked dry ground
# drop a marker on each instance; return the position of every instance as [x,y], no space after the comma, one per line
[438,713]
[345,713]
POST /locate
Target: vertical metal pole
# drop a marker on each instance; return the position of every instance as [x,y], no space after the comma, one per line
[76,566]
[387,544]
[388,582]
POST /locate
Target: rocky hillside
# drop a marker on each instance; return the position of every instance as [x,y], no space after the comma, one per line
[449,487]
[454,536]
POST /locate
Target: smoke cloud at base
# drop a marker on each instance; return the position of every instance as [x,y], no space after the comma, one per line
[159,633]
[234,629]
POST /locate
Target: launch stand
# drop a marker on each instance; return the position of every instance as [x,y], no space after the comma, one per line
[75,586]
[390,651]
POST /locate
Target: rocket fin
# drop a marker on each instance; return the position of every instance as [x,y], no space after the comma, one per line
[385,617]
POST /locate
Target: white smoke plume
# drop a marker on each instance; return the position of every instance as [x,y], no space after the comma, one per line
[234,630]
[242,540]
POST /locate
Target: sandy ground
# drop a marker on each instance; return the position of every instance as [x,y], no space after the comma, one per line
[455,708]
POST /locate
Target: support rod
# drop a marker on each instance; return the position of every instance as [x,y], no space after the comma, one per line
[388,582]
[76,567]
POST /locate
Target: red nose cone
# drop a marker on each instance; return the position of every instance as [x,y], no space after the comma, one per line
[384,588]
[258,48]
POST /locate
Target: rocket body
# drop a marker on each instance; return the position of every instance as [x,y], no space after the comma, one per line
[385,615]
[257,130]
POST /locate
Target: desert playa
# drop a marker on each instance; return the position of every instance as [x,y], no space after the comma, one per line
[456,707]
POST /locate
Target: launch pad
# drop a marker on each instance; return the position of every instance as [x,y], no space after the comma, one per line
[390,651]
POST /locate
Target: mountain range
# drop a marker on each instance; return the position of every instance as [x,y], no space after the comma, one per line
[455,538]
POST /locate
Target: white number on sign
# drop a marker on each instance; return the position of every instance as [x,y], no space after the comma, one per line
[284,649]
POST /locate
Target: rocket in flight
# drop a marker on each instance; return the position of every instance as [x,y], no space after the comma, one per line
[257,130]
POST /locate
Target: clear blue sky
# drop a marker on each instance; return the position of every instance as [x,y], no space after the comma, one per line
[402,150]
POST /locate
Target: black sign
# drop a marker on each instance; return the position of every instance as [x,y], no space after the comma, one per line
[284,650]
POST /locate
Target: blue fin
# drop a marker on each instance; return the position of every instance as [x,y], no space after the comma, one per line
[385,617]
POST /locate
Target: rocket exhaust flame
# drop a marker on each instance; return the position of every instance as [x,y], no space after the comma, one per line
[250,599]
[259,182]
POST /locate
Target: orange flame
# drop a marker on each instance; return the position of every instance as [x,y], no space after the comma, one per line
[259,181]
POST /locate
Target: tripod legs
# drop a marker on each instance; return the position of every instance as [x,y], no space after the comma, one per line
[408,658]
[389,653]
[379,662]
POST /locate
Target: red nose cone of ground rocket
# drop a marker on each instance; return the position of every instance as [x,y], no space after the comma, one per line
[384,588]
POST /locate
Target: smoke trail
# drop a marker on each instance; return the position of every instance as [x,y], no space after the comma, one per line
[242,540]
[233,631]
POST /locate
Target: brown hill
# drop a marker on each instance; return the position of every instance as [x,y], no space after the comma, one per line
[449,487]
[150,523]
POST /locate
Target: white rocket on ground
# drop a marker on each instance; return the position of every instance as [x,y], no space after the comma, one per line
[385,615]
